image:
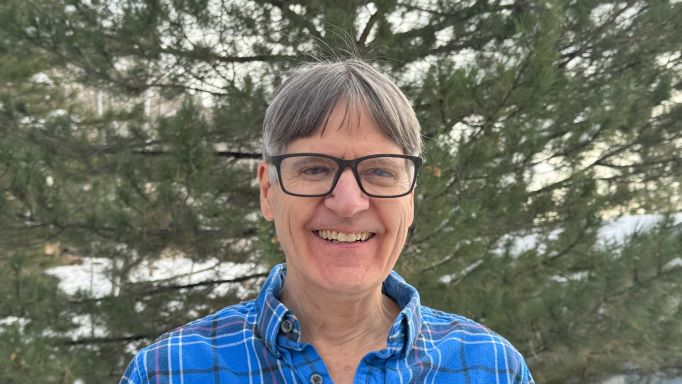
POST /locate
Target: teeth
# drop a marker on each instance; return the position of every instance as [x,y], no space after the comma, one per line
[343,237]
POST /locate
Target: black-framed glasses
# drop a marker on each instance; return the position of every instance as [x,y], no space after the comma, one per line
[316,174]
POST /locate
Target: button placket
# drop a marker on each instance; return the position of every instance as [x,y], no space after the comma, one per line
[316,378]
[287,326]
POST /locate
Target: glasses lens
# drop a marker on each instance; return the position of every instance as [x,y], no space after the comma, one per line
[308,175]
[386,176]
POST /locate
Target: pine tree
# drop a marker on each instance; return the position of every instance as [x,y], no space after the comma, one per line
[540,119]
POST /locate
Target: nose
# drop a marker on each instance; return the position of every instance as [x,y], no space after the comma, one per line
[347,199]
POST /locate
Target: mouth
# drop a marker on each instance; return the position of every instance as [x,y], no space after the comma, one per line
[343,237]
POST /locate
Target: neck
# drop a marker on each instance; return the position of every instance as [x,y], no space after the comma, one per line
[340,320]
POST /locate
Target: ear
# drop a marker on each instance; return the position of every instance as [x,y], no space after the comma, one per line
[265,187]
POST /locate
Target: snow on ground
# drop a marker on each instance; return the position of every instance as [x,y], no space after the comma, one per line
[11,321]
[93,278]
[613,231]
[617,230]
[89,277]
[185,271]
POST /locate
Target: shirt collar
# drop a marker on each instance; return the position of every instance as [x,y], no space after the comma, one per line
[401,337]
[271,311]
[406,327]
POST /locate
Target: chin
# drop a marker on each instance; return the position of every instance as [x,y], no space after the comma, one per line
[348,268]
[340,268]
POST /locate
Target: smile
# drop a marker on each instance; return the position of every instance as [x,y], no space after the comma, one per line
[341,237]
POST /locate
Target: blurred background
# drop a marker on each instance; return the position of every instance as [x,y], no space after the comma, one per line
[548,208]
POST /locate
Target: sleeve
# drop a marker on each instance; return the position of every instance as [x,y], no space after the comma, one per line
[523,375]
[133,374]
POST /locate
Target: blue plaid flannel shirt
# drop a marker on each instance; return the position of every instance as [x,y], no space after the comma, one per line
[258,341]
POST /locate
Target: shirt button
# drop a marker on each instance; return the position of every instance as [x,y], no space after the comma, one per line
[287,327]
[316,379]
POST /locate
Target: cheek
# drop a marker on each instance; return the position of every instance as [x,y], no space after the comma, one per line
[284,233]
[289,219]
[279,218]
[401,215]
[397,220]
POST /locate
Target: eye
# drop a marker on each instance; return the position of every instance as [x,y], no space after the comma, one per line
[379,172]
[314,171]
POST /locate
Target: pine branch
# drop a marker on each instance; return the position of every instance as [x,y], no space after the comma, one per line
[460,14]
[106,340]
[312,30]
[168,288]
[368,28]
[590,41]
[204,55]
[205,283]
[226,154]
[186,87]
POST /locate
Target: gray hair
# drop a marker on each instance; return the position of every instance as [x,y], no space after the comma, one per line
[302,105]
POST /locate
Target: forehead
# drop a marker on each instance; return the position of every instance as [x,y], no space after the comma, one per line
[349,131]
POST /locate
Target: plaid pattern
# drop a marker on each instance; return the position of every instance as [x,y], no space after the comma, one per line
[259,342]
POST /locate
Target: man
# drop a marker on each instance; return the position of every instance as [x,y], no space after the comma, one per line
[341,146]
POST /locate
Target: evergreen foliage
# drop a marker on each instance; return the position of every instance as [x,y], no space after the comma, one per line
[540,119]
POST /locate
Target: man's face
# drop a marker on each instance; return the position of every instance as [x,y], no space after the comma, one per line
[337,266]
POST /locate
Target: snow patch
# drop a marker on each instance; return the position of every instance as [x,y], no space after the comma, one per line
[447,279]
[619,229]
[42,78]
[93,276]
[614,231]
[31,31]
[578,276]
[86,328]
[672,264]
[58,113]
[10,321]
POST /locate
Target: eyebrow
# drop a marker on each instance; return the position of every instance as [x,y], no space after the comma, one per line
[303,159]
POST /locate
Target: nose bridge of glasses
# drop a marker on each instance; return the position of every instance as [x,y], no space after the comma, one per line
[350,166]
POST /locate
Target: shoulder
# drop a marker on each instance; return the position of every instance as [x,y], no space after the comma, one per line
[229,329]
[443,323]
[472,344]
[229,320]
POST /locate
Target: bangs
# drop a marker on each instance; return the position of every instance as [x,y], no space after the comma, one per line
[303,104]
